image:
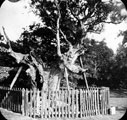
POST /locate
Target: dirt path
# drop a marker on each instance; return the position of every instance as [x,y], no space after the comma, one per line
[9,115]
[15,116]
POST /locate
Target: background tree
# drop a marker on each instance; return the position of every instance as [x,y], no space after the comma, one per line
[97,59]
[120,67]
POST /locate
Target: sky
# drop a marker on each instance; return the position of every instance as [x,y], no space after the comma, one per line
[110,35]
[16,16]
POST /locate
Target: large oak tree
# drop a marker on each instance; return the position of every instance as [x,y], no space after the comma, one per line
[59,40]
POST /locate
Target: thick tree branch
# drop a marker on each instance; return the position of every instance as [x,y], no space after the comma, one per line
[18,56]
[58,29]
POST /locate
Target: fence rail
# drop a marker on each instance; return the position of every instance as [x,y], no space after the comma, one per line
[57,104]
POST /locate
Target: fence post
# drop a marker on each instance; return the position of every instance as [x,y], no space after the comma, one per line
[77,103]
[42,105]
[95,102]
[34,102]
[108,96]
[30,104]
[23,101]
[73,103]
[62,107]
[81,103]
[65,98]
[38,102]
[69,102]
[100,100]
[26,103]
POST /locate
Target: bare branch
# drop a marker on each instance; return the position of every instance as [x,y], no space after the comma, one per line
[7,38]
[111,22]
[69,43]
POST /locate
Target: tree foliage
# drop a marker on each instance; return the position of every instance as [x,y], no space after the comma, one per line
[120,68]
[98,59]
[78,18]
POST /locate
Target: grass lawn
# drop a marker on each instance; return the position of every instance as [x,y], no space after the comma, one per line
[117,98]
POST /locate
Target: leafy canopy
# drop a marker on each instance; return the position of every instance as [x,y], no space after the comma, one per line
[78,18]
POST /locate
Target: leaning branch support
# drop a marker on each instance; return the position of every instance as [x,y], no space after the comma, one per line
[58,29]
[15,78]
[84,75]
[66,77]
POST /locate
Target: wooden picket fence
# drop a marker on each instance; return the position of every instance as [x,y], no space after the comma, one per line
[11,99]
[74,103]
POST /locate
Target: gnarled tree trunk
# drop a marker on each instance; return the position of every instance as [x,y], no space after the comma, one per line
[69,58]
